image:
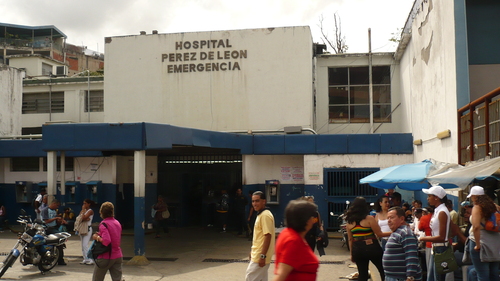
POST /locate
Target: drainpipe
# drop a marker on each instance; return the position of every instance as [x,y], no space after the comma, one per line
[370,77]
[88,93]
[50,99]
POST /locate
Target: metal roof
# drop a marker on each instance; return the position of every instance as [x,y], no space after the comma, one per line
[29,31]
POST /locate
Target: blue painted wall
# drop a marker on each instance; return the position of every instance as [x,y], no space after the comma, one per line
[483,37]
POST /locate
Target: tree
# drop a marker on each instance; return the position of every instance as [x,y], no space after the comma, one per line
[338,43]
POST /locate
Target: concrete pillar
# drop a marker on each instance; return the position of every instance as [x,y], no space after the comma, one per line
[139,193]
[51,174]
[63,178]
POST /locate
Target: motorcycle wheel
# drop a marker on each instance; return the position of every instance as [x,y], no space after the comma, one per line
[47,263]
[346,241]
[9,261]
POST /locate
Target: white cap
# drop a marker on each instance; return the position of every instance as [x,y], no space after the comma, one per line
[435,190]
[476,190]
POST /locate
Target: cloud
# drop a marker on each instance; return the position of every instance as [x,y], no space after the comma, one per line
[88,22]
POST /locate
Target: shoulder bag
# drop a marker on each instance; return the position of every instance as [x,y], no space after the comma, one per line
[489,246]
[81,226]
[97,248]
[445,262]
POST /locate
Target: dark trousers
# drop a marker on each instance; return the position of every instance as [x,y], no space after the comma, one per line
[159,225]
[362,254]
[241,222]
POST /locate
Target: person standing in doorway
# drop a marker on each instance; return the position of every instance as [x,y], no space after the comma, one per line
[222,209]
[263,240]
[240,203]
[252,215]
[159,221]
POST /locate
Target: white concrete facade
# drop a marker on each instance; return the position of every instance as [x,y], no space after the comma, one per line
[428,82]
[32,64]
[74,102]
[11,97]
[263,81]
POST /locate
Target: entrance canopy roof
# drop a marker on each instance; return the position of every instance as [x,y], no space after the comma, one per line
[98,139]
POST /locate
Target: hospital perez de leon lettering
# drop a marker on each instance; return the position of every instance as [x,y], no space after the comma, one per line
[199,56]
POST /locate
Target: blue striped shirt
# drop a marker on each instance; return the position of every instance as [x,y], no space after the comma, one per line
[400,256]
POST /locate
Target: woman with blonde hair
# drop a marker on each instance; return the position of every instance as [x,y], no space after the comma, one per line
[110,232]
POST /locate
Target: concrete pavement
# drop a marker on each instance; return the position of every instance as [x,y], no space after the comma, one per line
[184,254]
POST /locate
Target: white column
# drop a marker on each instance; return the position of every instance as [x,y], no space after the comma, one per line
[139,173]
[51,173]
[63,175]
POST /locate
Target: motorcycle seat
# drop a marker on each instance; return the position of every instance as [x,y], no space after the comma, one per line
[56,238]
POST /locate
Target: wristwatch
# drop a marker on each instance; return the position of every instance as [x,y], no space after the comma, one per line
[262,256]
[411,278]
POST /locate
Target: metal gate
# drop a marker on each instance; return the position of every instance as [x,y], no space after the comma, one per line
[343,185]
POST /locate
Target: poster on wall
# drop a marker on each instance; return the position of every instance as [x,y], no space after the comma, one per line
[295,174]
[286,173]
[313,176]
[298,174]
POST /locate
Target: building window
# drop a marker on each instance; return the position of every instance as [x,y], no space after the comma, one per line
[68,164]
[348,94]
[43,102]
[96,101]
[46,69]
[25,164]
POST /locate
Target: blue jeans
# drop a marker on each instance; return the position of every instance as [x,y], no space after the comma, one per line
[431,270]
[485,270]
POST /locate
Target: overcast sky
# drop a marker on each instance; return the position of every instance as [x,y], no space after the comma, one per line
[86,23]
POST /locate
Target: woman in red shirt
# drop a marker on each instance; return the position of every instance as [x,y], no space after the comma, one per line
[294,258]
[425,226]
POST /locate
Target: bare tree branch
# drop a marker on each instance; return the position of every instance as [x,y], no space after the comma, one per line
[338,44]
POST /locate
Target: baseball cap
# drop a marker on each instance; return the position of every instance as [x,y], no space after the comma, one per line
[476,190]
[435,190]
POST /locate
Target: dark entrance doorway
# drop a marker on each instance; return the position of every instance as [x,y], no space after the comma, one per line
[192,181]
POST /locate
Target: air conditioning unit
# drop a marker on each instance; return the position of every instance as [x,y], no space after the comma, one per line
[61,70]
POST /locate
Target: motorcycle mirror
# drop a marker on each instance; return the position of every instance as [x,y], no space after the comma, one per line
[347,202]
[331,214]
[23,212]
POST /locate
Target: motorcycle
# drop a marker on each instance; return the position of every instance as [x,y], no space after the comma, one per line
[343,224]
[37,248]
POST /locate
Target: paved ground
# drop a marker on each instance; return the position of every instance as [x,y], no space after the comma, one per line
[178,256]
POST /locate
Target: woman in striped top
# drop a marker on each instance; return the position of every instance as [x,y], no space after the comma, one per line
[363,230]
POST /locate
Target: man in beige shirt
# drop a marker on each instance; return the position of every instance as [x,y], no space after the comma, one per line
[263,240]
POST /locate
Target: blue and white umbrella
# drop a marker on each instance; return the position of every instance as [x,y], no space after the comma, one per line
[408,176]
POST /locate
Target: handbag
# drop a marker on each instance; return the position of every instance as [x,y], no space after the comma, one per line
[80,226]
[489,246]
[445,262]
[165,214]
[466,259]
[97,248]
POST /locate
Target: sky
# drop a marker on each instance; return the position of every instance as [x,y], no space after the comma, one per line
[86,23]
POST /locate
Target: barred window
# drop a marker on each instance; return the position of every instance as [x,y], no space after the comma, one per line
[43,102]
[96,101]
